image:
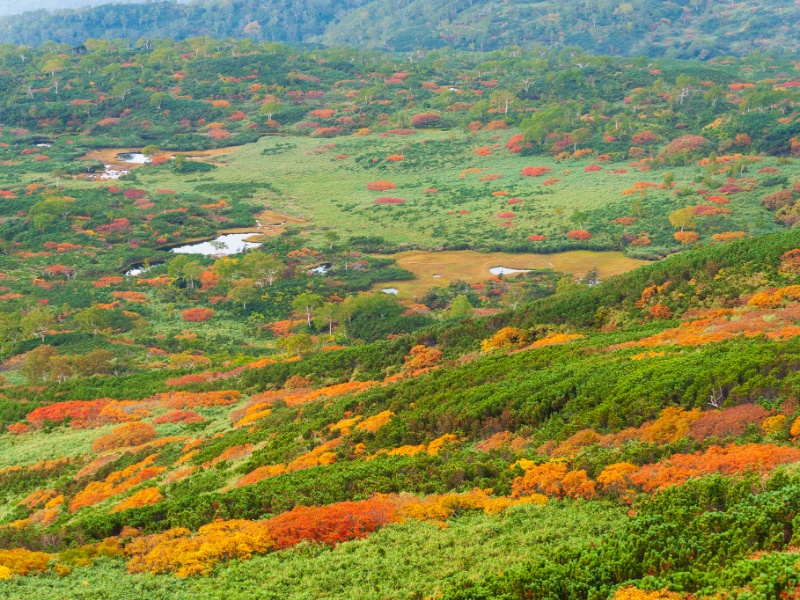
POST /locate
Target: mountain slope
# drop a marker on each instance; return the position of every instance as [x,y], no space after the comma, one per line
[700,29]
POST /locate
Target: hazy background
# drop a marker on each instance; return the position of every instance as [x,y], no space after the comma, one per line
[15,7]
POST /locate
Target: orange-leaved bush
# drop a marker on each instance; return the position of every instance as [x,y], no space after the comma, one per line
[381,185]
[116,483]
[129,434]
[197,315]
[145,497]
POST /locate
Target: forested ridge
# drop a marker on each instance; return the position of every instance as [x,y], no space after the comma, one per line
[681,29]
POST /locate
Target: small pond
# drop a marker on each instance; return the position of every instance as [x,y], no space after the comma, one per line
[110,173]
[134,158]
[390,291]
[231,243]
[507,271]
[137,270]
[320,270]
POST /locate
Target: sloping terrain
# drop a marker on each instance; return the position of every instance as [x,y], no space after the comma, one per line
[699,29]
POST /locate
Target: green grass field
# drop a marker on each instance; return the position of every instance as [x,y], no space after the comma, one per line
[325,183]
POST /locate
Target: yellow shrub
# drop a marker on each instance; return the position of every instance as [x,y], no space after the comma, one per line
[774,424]
[177,551]
[22,562]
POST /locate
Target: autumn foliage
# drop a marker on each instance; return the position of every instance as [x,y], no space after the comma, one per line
[331,524]
[116,483]
[145,497]
[178,551]
[535,171]
[381,185]
[130,434]
[197,315]
[579,235]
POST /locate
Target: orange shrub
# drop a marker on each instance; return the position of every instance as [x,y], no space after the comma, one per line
[686,237]
[130,296]
[260,474]
[728,236]
[233,453]
[728,460]
[615,478]
[145,497]
[552,479]
[182,400]
[670,426]
[197,315]
[130,434]
[381,185]
[421,357]
[116,483]
[178,416]
[375,422]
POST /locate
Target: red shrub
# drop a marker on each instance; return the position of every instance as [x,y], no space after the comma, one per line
[644,137]
[537,238]
[535,171]
[81,413]
[197,315]
[579,234]
[685,143]
[516,143]
[389,200]
[331,524]
[131,194]
[592,168]
[428,119]
[726,422]
[116,226]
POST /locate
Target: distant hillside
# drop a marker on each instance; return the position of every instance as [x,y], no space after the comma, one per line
[9,7]
[682,28]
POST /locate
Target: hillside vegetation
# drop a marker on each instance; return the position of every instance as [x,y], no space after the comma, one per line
[212,385]
[681,29]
